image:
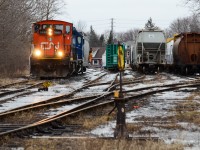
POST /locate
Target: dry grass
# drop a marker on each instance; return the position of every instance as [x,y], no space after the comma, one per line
[188,111]
[16,73]
[8,78]
[23,118]
[172,126]
[133,127]
[90,120]
[90,144]
[188,116]
[98,144]
[192,96]
[5,81]
[67,143]
[88,124]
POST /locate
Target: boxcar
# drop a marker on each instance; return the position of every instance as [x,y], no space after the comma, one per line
[112,56]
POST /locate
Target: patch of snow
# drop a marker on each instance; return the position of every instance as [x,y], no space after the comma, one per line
[105,130]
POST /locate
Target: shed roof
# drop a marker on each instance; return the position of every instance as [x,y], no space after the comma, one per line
[99,51]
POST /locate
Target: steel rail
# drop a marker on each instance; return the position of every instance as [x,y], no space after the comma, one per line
[87,106]
[20,90]
[48,101]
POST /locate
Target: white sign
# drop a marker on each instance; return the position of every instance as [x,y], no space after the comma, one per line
[151,35]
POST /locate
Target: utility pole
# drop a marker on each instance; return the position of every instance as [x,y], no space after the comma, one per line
[112,25]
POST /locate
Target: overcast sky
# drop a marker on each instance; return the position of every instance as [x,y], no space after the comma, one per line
[127,14]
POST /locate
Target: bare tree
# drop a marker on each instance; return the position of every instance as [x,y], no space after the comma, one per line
[194,5]
[194,23]
[186,24]
[81,26]
[180,25]
[16,18]
[129,35]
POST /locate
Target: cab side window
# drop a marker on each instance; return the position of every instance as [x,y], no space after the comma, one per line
[79,40]
[74,41]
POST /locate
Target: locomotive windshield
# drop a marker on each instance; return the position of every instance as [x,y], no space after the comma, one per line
[45,26]
[57,28]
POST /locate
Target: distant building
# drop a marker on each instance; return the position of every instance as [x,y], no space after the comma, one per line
[97,53]
[129,45]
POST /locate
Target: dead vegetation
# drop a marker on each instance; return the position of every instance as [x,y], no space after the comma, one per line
[23,117]
[87,143]
[133,127]
[5,81]
[92,120]
[189,111]
[88,124]
[10,76]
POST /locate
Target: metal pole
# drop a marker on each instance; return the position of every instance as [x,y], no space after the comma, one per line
[120,93]
[120,131]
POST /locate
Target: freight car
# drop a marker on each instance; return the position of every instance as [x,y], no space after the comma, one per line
[112,56]
[185,53]
[148,55]
[57,49]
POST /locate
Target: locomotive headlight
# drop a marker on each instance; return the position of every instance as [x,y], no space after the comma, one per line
[50,31]
[37,53]
[60,54]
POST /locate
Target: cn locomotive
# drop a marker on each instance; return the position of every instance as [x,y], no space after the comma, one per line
[183,53]
[57,49]
[148,56]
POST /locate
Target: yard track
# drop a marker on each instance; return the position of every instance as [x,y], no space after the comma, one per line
[99,101]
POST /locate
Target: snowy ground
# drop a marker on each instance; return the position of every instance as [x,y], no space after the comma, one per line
[58,88]
[158,107]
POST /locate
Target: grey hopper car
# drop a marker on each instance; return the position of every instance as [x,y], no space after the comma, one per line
[149,52]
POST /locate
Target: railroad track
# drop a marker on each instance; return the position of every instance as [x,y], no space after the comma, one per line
[96,103]
[56,98]
[23,83]
[50,102]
